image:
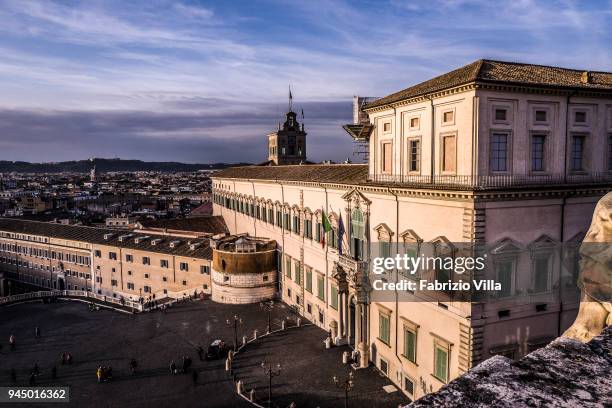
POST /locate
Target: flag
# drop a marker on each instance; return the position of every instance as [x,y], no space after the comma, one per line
[326,224]
[322,235]
[340,234]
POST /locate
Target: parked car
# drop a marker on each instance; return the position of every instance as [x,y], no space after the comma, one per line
[217,349]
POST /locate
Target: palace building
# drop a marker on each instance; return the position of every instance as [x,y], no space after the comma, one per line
[507,157]
[510,156]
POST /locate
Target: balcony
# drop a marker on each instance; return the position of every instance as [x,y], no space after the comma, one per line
[352,266]
[490,182]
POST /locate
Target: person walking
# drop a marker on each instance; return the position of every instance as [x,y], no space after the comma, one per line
[69,358]
[200,353]
[172,367]
[37,332]
[99,374]
[32,381]
[12,342]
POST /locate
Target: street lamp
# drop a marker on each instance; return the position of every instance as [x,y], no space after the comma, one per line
[267,306]
[235,322]
[271,371]
[347,385]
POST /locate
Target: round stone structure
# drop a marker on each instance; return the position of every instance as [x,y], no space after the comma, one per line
[243,270]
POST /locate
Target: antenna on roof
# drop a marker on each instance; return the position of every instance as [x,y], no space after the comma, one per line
[290,99]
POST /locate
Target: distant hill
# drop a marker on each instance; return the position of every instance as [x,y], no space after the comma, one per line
[106,165]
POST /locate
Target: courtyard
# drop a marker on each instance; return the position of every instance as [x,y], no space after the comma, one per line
[112,339]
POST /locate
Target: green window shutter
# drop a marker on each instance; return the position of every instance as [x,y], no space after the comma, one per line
[334,297]
[288,268]
[321,287]
[409,349]
[441,364]
[309,280]
[384,328]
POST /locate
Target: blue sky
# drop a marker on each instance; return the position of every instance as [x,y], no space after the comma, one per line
[204,81]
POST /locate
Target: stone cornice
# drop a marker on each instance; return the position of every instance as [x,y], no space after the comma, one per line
[495,86]
[558,191]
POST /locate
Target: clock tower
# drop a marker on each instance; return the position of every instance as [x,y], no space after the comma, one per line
[288,144]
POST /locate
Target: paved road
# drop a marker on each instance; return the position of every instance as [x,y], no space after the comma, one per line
[154,339]
[307,370]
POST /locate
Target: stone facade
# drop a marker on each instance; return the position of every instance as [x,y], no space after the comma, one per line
[244,270]
[457,160]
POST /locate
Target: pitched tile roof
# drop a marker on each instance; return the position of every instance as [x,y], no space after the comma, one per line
[319,173]
[204,224]
[512,73]
[96,235]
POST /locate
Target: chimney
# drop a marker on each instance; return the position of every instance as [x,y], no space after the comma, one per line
[585,78]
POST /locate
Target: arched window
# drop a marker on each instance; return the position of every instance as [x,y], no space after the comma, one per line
[357,234]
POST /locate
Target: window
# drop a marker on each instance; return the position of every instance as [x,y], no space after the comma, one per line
[98,254]
[130,285]
[184,283]
[288,266]
[408,385]
[298,272]
[410,344]
[146,260]
[441,361]
[387,153]
[308,228]
[320,287]
[146,275]
[113,282]
[580,117]
[499,152]
[184,266]
[537,153]
[577,153]
[129,258]
[541,116]
[332,238]
[165,279]
[504,269]
[448,116]
[384,366]
[163,263]
[309,280]
[147,289]
[289,293]
[500,115]
[334,297]
[449,154]
[384,328]
[541,273]
[414,152]
[112,255]
[204,269]
[296,224]
[387,127]
[414,123]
